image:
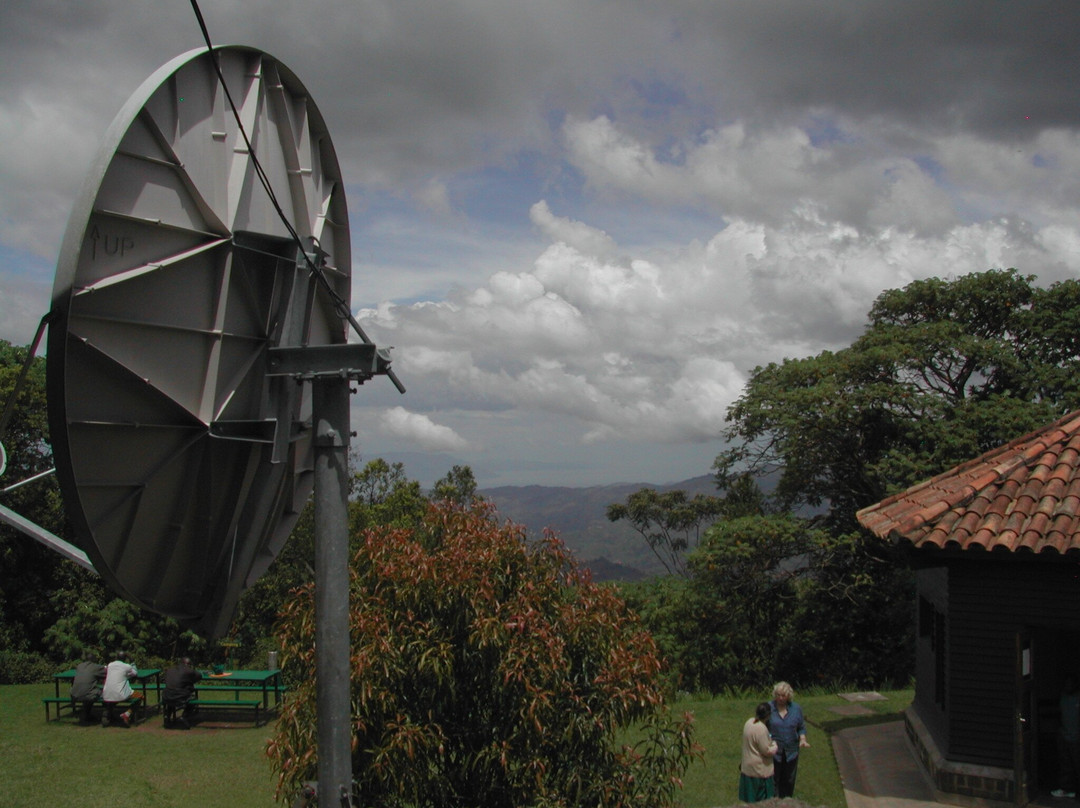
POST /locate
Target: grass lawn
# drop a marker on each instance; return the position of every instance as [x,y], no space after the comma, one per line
[222,765]
[714,781]
[62,763]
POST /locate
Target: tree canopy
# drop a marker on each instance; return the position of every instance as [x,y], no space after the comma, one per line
[670,522]
[26,433]
[945,370]
[458,486]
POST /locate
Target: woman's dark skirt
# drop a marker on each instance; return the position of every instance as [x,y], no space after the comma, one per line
[755,789]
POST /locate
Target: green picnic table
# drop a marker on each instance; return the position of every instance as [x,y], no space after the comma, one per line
[267,681]
[142,683]
[226,690]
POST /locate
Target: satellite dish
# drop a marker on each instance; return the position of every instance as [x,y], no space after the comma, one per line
[183,461]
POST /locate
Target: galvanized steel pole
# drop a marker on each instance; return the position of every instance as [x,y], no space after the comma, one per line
[330,399]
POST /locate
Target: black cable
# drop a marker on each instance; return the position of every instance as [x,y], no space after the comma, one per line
[263,179]
[339,302]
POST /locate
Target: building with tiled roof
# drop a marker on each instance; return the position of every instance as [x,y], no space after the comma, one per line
[995,543]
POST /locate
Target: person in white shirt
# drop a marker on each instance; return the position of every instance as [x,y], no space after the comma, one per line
[118,676]
[756,767]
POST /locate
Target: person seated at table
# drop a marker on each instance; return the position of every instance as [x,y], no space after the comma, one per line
[118,676]
[180,682]
[86,686]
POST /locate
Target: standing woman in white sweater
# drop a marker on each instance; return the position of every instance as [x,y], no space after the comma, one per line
[756,769]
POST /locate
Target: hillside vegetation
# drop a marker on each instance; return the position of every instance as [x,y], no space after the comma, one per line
[612,550]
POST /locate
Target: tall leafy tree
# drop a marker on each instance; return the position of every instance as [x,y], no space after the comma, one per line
[382,494]
[945,370]
[29,572]
[851,619]
[669,522]
[1048,335]
[376,482]
[745,582]
[26,433]
[458,486]
[672,523]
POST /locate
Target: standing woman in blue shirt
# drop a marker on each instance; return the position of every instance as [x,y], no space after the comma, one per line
[788,729]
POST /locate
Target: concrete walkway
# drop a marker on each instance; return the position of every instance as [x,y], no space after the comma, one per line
[879,770]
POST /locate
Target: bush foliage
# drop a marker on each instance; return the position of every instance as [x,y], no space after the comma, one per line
[486,670]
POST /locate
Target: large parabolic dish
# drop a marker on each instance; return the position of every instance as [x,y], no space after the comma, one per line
[183,464]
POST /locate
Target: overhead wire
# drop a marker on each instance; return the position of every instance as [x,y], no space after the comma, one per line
[339,303]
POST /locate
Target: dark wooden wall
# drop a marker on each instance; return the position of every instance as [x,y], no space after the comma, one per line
[990,599]
[933,597]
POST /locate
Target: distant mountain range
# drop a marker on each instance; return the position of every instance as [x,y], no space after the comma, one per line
[611,550]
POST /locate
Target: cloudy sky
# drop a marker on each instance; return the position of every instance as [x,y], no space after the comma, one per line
[582,223]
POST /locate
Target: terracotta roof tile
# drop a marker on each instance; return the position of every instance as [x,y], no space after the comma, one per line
[1023,496]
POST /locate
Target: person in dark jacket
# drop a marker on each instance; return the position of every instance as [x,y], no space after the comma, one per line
[180,682]
[86,686]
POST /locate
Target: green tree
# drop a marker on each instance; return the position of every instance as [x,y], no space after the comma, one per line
[670,522]
[745,584]
[91,622]
[486,671]
[677,621]
[376,482]
[851,620]
[382,494]
[743,497]
[1048,336]
[26,435]
[29,572]
[457,486]
[944,371]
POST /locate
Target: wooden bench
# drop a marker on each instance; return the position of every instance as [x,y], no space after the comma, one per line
[240,688]
[61,702]
[212,704]
[221,689]
[277,691]
[66,701]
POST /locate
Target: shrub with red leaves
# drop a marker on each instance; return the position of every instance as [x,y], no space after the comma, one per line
[486,670]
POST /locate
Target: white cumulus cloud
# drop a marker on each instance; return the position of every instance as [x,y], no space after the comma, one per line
[421,430]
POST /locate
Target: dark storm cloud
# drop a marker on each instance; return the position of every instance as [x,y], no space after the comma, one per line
[999,68]
[586,220]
